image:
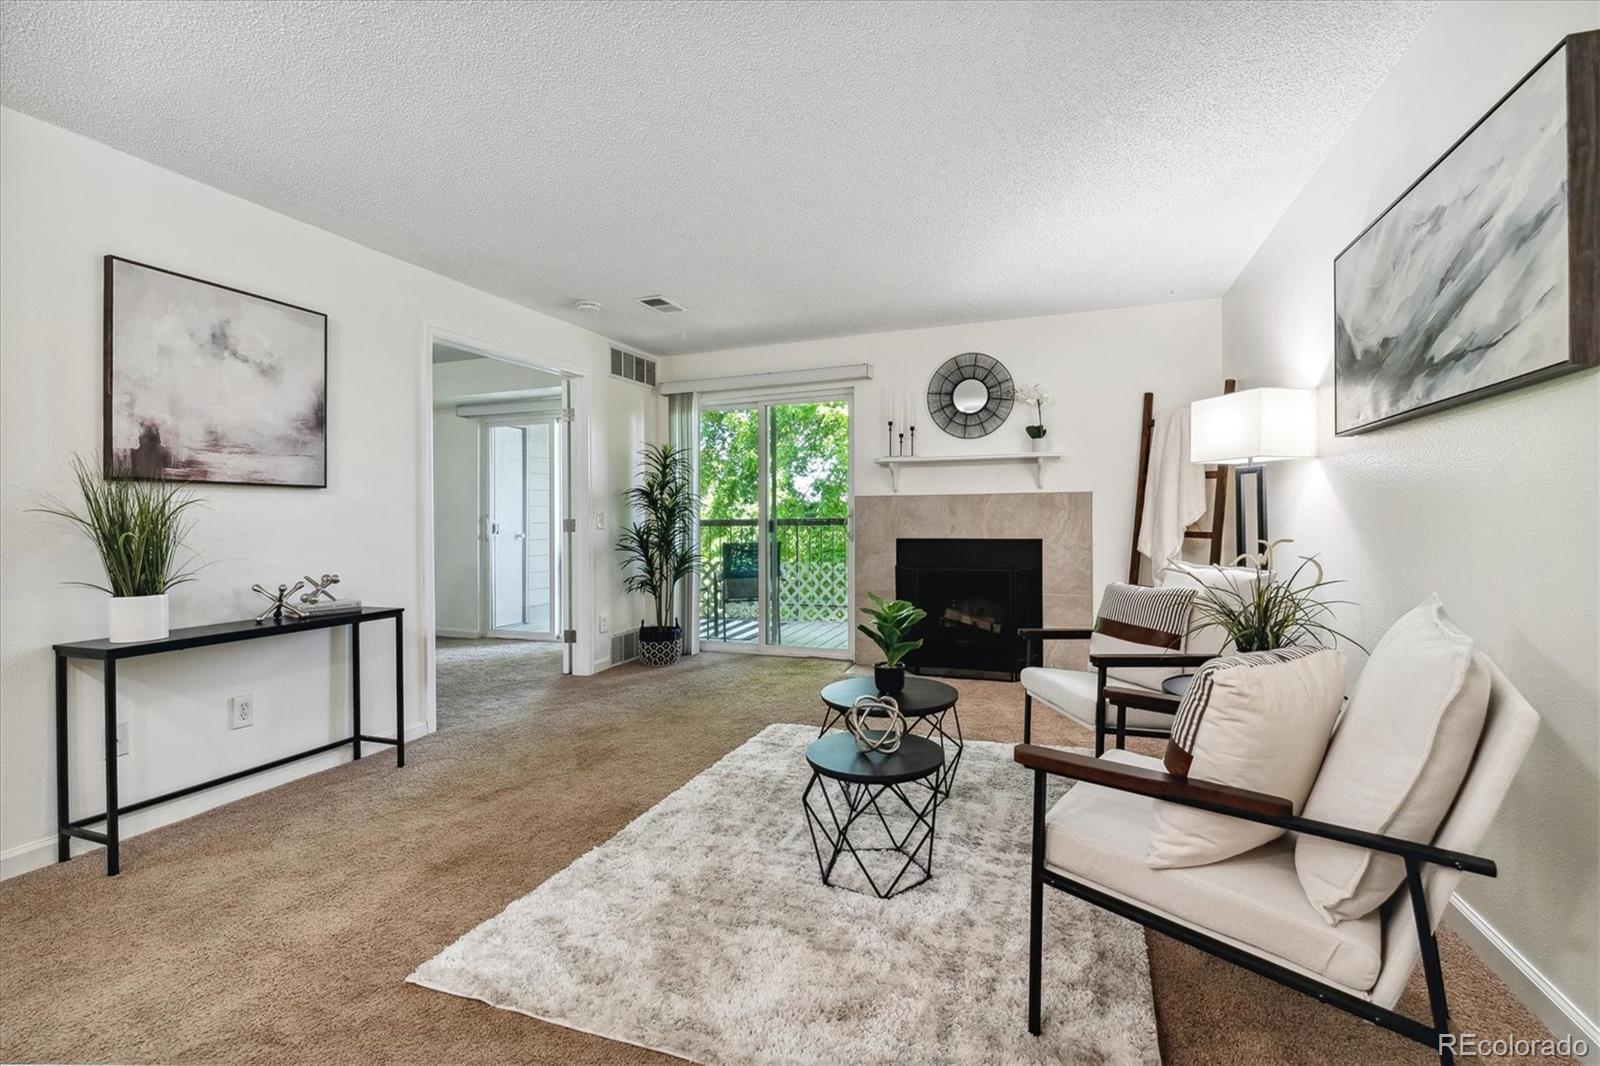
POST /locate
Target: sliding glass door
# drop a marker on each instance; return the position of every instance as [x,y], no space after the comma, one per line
[774,526]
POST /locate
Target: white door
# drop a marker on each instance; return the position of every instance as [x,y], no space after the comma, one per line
[507,527]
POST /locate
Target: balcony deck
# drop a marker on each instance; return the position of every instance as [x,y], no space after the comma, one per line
[822,636]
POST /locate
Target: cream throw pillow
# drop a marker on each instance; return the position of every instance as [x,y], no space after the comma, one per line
[1396,761]
[1259,721]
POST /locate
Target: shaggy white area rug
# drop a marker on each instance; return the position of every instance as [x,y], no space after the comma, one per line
[703,930]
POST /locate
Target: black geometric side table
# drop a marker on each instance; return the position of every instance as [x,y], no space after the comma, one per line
[929,708]
[855,803]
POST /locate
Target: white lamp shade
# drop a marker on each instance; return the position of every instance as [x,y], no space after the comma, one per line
[1254,426]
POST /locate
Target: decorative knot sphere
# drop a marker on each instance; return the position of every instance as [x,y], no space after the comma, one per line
[876,723]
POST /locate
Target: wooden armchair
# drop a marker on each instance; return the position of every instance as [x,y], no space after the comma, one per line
[1152,709]
[1251,910]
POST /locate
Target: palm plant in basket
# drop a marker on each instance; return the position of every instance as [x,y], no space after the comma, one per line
[138,528]
[659,546]
[891,620]
[1267,611]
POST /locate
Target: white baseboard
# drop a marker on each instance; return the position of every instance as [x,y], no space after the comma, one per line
[40,853]
[1526,981]
[459,634]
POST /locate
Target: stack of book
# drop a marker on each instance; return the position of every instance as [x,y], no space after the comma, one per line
[312,610]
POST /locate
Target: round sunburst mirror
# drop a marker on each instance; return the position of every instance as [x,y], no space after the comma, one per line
[970,395]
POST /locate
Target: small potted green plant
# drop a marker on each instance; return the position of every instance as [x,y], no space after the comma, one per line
[1038,396]
[139,529]
[1267,611]
[658,547]
[891,620]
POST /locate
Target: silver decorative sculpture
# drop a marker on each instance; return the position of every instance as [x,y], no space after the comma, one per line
[876,723]
[279,605]
[319,589]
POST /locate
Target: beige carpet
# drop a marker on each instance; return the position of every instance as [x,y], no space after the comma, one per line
[281,928]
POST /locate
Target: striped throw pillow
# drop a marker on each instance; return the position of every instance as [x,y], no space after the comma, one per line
[1158,617]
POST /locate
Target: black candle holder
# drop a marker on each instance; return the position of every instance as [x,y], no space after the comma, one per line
[913,440]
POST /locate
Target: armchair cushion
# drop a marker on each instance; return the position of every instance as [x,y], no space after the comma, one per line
[1072,692]
[1259,721]
[1101,836]
[1208,640]
[1397,759]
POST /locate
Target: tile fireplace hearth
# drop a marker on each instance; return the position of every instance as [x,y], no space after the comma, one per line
[1059,522]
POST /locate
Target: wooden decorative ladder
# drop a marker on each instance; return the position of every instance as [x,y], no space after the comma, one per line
[1218,476]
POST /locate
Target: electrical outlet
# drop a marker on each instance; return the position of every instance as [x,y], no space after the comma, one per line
[241,712]
[605,624]
[599,520]
[123,744]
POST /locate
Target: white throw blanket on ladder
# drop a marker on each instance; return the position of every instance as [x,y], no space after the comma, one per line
[1174,491]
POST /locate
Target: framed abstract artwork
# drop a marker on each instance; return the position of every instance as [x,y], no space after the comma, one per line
[1484,275]
[208,383]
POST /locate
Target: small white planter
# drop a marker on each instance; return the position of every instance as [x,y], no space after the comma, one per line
[136,618]
[1039,444]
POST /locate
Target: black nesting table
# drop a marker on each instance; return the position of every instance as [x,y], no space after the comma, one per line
[862,792]
[201,637]
[929,707]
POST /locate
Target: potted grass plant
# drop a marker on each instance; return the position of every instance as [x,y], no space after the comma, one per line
[659,547]
[891,620]
[138,528]
[1267,611]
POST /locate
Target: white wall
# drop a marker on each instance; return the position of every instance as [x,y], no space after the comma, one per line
[1096,365]
[1493,505]
[66,201]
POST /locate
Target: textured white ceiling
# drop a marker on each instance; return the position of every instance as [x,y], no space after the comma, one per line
[784,170]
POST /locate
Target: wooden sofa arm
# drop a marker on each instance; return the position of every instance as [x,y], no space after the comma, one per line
[1234,802]
[1142,699]
[1144,782]
[1056,633]
[1175,659]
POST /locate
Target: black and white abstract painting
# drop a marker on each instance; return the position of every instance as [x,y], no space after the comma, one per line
[1461,287]
[207,383]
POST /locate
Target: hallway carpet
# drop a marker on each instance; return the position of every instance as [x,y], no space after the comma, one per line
[281,928]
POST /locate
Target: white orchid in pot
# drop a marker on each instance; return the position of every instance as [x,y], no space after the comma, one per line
[138,528]
[1038,396]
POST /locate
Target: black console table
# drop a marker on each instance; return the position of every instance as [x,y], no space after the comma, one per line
[200,637]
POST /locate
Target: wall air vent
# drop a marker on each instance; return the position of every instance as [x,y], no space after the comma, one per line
[630,367]
[624,647]
[661,304]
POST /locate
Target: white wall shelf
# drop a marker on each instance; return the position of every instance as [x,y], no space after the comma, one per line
[896,462]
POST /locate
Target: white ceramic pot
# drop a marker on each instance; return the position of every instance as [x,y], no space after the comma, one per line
[1039,444]
[136,618]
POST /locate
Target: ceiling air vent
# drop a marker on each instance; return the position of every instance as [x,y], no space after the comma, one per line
[630,367]
[661,304]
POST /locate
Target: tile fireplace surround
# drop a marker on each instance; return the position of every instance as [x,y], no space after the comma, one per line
[1060,520]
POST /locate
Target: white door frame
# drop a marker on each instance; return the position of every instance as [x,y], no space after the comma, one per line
[579,599]
[486,426]
[761,399]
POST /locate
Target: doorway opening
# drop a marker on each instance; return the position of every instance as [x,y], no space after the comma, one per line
[775,544]
[502,541]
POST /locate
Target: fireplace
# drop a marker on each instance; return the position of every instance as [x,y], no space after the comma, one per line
[978,593]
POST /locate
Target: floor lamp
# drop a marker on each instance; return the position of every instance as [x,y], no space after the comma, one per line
[1246,430]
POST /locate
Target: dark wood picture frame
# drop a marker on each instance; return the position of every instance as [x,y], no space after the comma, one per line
[108,459]
[1583,231]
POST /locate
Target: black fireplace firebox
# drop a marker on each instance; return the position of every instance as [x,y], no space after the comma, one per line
[977,593]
